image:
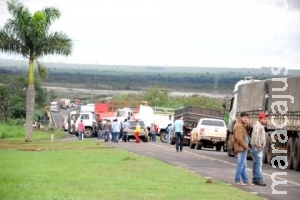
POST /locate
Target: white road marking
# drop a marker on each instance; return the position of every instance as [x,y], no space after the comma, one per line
[226,162]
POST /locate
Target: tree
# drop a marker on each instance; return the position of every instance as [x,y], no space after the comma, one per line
[28,35]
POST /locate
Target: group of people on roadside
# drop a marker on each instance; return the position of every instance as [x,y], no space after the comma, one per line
[113,130]
[245,140]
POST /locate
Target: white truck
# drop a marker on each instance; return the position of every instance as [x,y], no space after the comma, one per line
[209,133]
[280,98]
[160,116]
[54,107]
[88,119]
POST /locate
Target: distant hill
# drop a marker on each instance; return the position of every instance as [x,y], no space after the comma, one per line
[137,78]
[68,67]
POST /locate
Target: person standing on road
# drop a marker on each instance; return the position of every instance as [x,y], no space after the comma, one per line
[178,127]
[126,127]
[168,133]
[116,127]
[258,143]
[80,129]
[100,129]
[154,133]
[241,146]
[106,129]
[137,132]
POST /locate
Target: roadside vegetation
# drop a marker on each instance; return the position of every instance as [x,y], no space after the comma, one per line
[89,170]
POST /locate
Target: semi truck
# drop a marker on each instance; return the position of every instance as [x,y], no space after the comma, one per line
[191,116]
[279,98]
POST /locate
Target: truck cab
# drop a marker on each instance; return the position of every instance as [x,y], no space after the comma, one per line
[233,112]
[88,119]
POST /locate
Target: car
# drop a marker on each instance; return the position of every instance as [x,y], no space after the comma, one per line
[144,134]
[208,133]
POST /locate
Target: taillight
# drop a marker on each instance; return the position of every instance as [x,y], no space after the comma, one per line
[202,131]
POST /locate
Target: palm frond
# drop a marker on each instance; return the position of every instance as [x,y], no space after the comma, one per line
[51,14]
[16,8]
[41,69]
[57,43]
[10,44]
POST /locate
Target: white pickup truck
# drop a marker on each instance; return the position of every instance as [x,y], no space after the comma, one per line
[208,133]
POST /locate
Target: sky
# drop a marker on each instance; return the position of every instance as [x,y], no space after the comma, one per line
[204,33]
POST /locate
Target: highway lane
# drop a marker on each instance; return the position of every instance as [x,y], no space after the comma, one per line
[216,165]
[58,117]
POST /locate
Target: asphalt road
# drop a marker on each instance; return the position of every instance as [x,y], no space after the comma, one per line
[217,166]
[211,164]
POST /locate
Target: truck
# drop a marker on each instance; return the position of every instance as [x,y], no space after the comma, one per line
[88,119]
[64,103]
[191,116]
[91,115]
[54,107]
[157,115]
[279,98]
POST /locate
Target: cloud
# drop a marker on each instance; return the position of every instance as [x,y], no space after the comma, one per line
[213,33]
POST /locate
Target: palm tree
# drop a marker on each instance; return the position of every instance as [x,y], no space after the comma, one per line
[28,35]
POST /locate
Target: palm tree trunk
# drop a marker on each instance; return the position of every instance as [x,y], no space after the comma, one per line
[30,97]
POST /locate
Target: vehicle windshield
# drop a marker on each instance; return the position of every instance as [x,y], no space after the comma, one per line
[208,122]
[133,123]
[121,113]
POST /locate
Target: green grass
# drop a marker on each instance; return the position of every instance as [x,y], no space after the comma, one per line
[89,170]
[18,132]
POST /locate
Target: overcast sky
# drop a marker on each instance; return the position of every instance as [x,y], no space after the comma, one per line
[205,33]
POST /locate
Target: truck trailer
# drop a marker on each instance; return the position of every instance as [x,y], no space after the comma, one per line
[279,98]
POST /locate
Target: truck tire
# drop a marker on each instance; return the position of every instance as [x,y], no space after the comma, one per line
[88,133]
[264,157]
[192,145]
[145,139]
[172,142]
[290,150]
[296,157]
[229,146]
[225,147]
[199,145]
[163,138]
[218,147]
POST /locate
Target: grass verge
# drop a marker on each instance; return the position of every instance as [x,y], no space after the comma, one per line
[89,170]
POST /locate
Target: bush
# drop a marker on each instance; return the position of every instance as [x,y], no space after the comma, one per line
[9,131]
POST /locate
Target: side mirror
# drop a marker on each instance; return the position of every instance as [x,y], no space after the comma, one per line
[224,103]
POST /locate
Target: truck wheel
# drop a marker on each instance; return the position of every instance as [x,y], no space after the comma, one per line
[192,145]
[269,155]
[145,139]
[218,147]
[229,147]
[264,157]
[290,149]
[225,147]
[199,145]
[163,138]
[88,133]
[296,157]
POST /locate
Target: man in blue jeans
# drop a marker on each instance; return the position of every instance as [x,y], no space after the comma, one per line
[258,143]
[241,146]
[178,128]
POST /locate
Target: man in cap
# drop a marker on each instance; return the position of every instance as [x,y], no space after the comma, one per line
[240,143]
[258,143]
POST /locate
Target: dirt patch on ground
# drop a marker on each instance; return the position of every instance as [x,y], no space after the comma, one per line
[23,146]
